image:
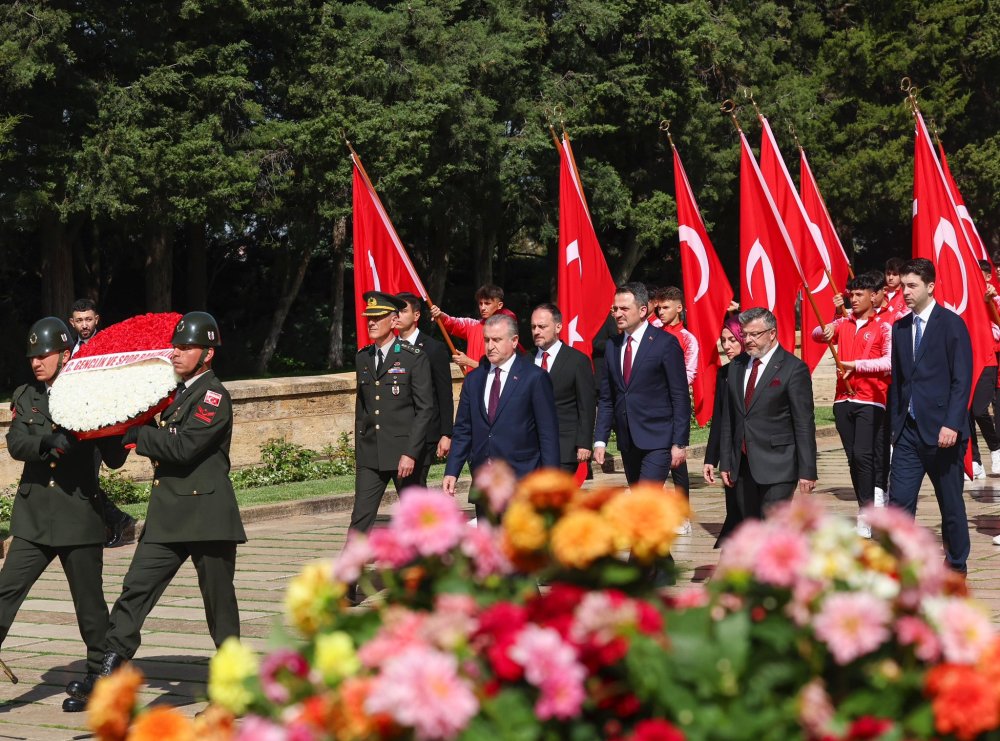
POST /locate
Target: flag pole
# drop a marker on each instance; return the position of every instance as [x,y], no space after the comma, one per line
[356,159]
[728,108]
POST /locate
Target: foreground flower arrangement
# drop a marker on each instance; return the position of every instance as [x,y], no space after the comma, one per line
[123,376]
[805,631]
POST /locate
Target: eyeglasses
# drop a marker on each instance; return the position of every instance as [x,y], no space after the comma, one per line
[755,335]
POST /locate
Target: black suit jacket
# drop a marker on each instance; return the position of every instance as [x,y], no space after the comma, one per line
[939,380]
[713,448]
[779,428]
[576,401]
[443,417]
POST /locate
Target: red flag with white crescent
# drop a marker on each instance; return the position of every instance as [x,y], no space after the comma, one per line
[707,292]
[380,260]
[768,268]
[813,255]
[939,234]
[586,289]
[812,200]
[970,227]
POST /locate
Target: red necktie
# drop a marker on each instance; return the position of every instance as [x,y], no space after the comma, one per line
[627,363]
[751,384]
[491,409]
[545,361]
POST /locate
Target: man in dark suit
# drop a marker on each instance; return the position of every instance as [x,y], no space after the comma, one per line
[929,403]
[769,429]
[192,506]
[644,392]
[393,411]
[56,514]
[506,411]
[572,383]
[442,419]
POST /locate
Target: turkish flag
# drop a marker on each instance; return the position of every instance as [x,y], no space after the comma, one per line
[586,289]
[769,271]
[707,293]
[812,253]
[970,228]
[940,235]
[812,200]
[380,260]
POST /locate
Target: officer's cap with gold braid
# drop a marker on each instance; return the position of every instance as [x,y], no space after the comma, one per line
[378,304]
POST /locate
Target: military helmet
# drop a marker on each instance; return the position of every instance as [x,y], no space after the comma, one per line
[197,328]
[48,335]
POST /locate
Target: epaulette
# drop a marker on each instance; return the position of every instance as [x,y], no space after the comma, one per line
[410,348]
[366,348]
[16,397]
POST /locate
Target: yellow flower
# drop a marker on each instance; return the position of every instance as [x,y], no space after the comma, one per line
[581,537]
[161,724]
[645,520]
[335,656]
[228,671]
[312,596]
[111,703]
[525,528]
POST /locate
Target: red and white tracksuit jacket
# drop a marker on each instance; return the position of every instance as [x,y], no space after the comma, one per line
[689,344]
[868,343]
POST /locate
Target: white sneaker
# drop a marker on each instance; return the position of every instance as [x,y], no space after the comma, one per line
[995,456]
[864,529]
[996,540]
[880,498]
[685,528]
[978,472]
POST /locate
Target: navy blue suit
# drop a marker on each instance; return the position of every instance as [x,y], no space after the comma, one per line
[525,432]
[938,380]
[650,414]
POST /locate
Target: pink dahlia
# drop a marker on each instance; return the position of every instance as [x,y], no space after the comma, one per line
[388,549]
[279,669]
[562,694]
[421,689]
[781,557]
[914,631]
[351,561]
[255,728]
[497,481]
[964,628]
[481,543]
[428,521]
[739,553]
[400,631]
[852,624]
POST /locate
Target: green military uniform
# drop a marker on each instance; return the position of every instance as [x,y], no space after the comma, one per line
[392,417]
[192,513]
[56,515]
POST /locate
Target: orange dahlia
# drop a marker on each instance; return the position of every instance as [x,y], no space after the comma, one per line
[549,488]
[215,723]
[162,724]
[111,703]
[964,702]
[524,527]
[646,520]
[581,537]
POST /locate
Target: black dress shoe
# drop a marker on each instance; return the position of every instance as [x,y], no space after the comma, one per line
[74,705]
[111,662]
[116,536]
[81,689]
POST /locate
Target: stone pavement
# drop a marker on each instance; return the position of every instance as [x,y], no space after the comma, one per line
[45,651]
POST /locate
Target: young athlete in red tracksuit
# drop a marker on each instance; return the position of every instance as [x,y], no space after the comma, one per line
[864,344]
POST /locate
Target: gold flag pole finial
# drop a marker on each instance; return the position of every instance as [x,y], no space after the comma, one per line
[665,128]
[907,86]
[748,94]
[728,108]
[934,131]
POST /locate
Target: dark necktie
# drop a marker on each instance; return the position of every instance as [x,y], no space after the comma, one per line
[627,363]
[545,361]
[918,334]
[491,409]
[751,384]
[379,359]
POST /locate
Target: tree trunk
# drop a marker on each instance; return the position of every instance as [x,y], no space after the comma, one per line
[290,291]
[483,266]
[197,267]
[631,255]
[56,267]
[159,269]
[338,258]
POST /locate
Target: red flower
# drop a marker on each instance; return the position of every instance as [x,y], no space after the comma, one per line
[143,332]
[504,667]
[650,619]
[655,730]
[501,619]
[562,599]
[964,701]
[868,727]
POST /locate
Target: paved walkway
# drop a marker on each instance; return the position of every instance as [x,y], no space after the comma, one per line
[45,651]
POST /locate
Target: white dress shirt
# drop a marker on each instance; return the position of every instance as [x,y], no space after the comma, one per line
[552,351]
[504,374]
[412,339]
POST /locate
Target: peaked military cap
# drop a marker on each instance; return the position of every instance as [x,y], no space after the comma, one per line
[378,304]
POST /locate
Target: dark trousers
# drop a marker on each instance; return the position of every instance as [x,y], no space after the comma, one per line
[682,479]
[857,424]
[882,449]
[369,488]
[423,467]
[911,459]
[753,500]
[82,565]
[153,567]
[982,396]
[733,516]
[646,465]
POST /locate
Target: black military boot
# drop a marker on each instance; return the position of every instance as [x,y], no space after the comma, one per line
[111,662]
[81,689]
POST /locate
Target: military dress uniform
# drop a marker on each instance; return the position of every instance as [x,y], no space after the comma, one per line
[56,514]
[443,416]
[192,513]
[392,417]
